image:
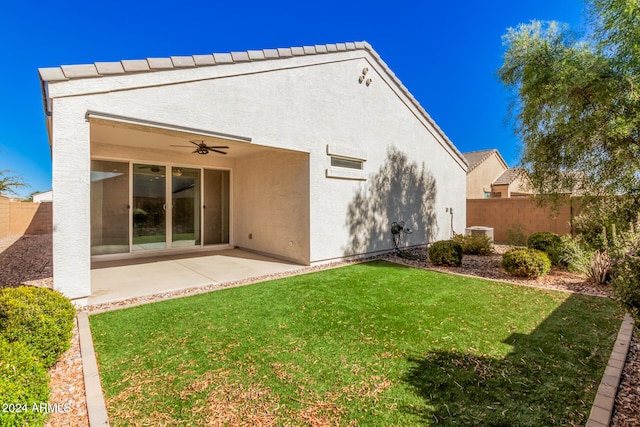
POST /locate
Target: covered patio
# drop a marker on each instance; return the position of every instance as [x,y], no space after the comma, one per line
[118,280]
[165,218]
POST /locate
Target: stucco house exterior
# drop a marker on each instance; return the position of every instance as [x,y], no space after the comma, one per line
[45,196]
[306,154]
[489,176]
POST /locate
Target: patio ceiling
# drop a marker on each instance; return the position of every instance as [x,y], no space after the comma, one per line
[155,136]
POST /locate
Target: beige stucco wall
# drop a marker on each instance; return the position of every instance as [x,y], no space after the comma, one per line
[271,204]
[301,104]
[482,176]
[520,186]
[500,191]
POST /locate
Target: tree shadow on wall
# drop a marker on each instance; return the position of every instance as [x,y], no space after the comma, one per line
[400,190]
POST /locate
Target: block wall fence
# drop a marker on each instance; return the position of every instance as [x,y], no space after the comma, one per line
[24,217]
[505,216]
[519,215]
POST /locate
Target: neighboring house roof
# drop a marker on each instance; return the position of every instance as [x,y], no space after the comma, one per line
[149,65]
[475,158]
[509,176]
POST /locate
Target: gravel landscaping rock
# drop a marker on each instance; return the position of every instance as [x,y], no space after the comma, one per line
[626,411]
[26,259]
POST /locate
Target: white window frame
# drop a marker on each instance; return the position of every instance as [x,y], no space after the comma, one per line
[348,155]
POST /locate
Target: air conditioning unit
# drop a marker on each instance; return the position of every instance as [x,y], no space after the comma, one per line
[478,230]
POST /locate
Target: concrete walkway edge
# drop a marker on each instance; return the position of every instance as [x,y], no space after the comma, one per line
[602,408]
[96,408]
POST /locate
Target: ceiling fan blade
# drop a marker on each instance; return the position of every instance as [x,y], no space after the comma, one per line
[211,147]
[197,143]
[182,146]
[217,151]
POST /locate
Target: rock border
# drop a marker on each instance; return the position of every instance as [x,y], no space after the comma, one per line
[96,407]
[602,409]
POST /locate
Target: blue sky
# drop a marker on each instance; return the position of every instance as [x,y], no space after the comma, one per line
[445,52]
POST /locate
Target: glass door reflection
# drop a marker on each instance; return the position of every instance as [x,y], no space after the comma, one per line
[216,207]
[149,207]
[185,203]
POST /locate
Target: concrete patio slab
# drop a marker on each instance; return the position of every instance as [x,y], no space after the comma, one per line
[113,281]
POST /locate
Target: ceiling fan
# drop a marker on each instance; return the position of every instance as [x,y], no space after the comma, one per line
[203,148]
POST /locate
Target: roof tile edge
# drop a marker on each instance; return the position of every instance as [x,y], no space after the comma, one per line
[58,74]
[100,69]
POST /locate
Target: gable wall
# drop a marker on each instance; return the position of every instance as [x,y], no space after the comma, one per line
[302,108]
[482,176]
[520,185]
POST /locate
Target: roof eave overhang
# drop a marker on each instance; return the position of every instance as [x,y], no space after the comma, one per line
[101,70]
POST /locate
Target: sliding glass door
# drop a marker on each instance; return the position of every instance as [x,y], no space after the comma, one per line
[149,207]
[185,207]
[109,207]
[159,207]
[216,207]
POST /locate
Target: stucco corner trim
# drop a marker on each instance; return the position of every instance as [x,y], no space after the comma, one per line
[356,175]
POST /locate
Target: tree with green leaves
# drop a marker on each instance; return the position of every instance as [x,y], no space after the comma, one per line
[577,104]
[8,183]
[577,111]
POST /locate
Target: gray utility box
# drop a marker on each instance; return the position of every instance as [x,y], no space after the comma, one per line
[478,230]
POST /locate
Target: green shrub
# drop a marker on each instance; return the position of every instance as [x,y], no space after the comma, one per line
[574,256]
[626,281]
[474,244]
[446,252]
[23,382]
[40,318]
[516,235]
[549,243]
[624,252]
[529,263]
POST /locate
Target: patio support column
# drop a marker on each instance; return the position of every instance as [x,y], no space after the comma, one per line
[71,179]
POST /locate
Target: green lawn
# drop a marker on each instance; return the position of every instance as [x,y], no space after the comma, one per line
[372,344]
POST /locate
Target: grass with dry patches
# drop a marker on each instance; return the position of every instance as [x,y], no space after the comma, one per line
[373,344]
